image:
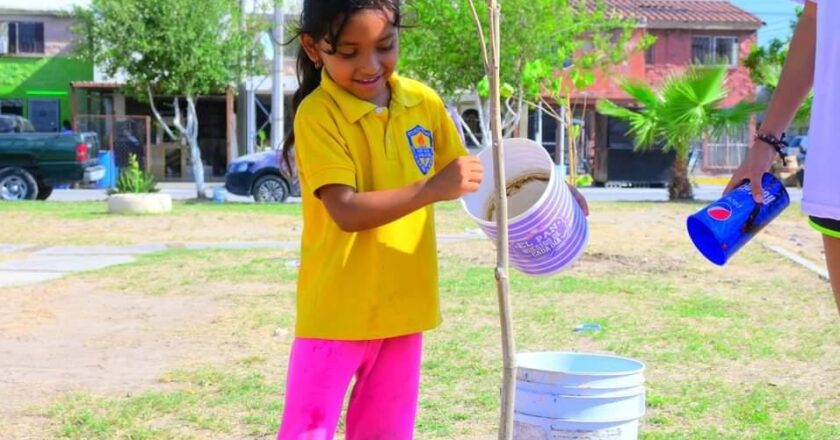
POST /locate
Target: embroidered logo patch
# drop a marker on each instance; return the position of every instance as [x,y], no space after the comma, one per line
[422,147]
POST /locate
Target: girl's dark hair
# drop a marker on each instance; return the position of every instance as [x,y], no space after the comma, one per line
[325,20]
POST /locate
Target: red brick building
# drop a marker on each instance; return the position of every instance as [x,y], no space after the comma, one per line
[688,32]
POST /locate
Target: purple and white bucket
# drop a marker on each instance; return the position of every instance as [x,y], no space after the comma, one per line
[547,229]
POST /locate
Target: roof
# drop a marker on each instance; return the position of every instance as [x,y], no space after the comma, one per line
[41,7]
[687,14]
[95,85]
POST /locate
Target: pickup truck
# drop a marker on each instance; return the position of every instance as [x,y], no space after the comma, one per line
[31,163]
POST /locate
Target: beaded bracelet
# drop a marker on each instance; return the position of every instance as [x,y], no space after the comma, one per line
[773,141]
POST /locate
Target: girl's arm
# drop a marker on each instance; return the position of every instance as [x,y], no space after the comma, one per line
[354,212]
[795,83]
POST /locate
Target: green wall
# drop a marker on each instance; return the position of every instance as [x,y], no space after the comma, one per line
[42,78]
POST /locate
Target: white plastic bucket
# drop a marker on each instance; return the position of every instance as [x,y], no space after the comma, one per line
[547,229]
[565,395]
[527,427]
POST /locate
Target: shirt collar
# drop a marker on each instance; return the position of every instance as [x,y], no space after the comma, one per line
[354,108]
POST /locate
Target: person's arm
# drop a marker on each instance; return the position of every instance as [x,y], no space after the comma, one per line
[354,212]
[796,81]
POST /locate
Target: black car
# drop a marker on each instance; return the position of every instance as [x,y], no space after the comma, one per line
[259,175]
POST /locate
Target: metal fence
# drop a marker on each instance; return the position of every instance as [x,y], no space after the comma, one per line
[124,135]
[725,153]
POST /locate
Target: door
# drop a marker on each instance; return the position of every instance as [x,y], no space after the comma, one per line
[44,114]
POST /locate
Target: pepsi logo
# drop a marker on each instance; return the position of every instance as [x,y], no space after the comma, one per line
[719,213]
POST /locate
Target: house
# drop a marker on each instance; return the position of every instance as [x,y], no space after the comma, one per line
[688,33]
[36,62]
[228,126]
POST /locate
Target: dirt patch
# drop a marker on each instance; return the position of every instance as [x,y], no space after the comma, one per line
[797,236]
[72,335]
[628,239]
[178,227]
[118,331]
[479,252]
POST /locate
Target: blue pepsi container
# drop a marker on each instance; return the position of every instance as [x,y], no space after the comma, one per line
[722,228]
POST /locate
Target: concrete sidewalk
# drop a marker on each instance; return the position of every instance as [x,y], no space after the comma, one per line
[51,263]
[706,192]
[178,191]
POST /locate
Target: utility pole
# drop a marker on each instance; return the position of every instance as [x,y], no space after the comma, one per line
[241,100]
[561,145]
[277,96]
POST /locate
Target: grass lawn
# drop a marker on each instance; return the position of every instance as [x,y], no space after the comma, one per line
[750,351]
[88,223]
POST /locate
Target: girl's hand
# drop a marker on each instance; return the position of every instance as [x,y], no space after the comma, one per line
[758,161]
[462,175]
[581,200]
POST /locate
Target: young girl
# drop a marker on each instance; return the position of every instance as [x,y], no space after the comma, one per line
[812,61]
[374,151]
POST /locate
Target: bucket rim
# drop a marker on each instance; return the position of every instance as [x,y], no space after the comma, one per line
[640,369]
[552,181]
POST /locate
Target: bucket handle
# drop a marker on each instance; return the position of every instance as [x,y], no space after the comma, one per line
[750,223]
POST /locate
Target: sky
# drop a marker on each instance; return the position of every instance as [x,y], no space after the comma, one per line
[777,14]
[60,5]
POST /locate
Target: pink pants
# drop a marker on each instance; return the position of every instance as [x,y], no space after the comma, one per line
[383,403]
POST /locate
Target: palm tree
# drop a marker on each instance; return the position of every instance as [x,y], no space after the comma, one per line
[687,107]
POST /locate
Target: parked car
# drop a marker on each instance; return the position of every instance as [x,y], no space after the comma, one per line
[32,163]
[15,124]
[259,175]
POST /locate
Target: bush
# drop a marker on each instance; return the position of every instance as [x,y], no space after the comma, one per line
[584,180]
[133,180]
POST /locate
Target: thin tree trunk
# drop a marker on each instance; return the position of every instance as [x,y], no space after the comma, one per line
[195,151]
[680,188]
[188,135]
[469,131]
[502,251]
[484,118]
[512,117]
[491,63]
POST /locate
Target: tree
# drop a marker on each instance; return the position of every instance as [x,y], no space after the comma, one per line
[541,37]
[765,65]
[686,108]
[608,40]
[176,48]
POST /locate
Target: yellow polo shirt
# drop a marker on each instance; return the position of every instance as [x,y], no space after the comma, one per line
[381,282]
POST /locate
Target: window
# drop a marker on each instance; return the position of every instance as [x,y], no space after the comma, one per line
[22,37]
[649,59]
[11,107]
[617,134]
[473,123]
[714,51]
[726,51]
